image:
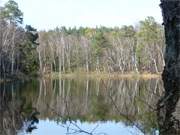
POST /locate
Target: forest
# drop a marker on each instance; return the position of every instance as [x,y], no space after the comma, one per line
[18,45]
[126,49]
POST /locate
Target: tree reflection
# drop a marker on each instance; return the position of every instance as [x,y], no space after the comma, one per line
[14,112]
[69,101]
[130,101]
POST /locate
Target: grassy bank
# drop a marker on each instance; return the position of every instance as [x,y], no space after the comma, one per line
[102,75]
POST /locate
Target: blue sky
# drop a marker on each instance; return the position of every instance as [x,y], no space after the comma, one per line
[48,14]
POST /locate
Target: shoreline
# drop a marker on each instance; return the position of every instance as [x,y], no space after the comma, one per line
[97,75]
[101,75]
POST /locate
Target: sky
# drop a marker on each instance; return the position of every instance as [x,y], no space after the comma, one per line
[48,14]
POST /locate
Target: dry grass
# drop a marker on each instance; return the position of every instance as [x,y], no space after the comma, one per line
[95,75]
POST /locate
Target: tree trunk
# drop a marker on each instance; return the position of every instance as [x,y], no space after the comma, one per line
[168,122]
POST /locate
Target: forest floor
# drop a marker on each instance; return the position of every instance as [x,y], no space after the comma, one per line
[102,75]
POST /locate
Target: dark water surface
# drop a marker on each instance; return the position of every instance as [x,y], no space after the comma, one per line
[81,106]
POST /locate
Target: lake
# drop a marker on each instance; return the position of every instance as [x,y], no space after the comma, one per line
[80,106]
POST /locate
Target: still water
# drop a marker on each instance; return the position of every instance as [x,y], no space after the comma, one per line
[80,106]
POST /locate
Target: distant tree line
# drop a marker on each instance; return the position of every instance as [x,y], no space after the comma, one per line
[126,49]
[17,44]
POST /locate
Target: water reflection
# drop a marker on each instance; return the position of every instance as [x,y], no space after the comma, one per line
[72,103]
[14,111]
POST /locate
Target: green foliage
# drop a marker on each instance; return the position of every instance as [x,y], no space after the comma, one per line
[148,38]
[11,12]
[127,31]
[29,58]
[148,30]
[100,43]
